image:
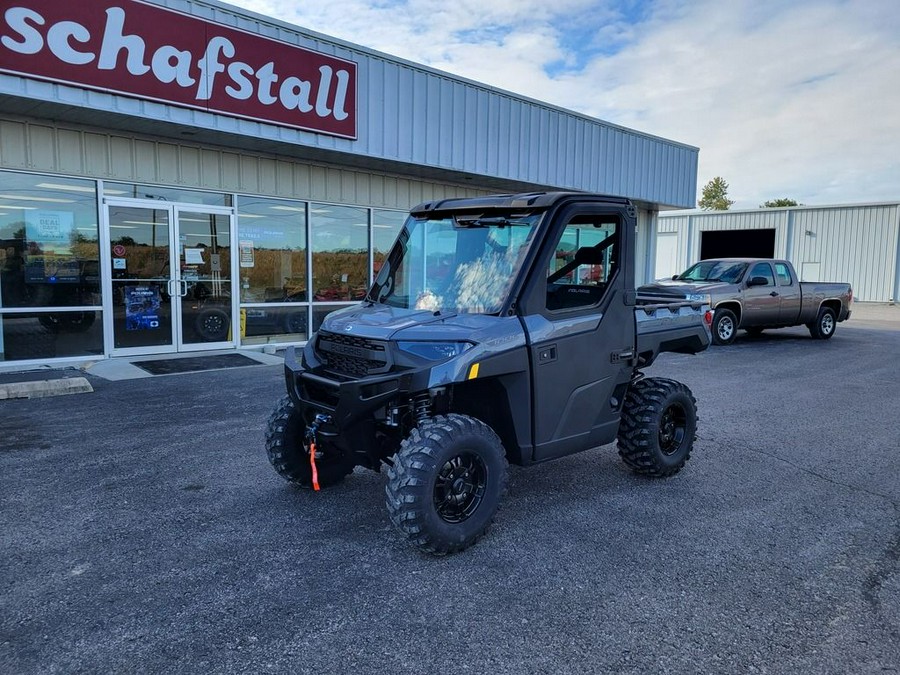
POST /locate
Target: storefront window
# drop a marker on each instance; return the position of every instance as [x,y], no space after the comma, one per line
[385,226]
[340,252]
[165,194]
[49,260]
[272,270]
[272,250]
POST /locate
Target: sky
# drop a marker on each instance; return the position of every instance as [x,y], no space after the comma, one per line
[785,98]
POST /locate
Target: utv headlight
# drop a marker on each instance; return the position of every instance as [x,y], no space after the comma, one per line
[435,351]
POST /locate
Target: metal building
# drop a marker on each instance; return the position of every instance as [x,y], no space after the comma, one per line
[857,243]
[182,175]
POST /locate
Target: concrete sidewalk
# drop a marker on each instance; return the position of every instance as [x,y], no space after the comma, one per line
[879,315]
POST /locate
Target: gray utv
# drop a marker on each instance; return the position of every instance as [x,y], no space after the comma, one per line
[499,329]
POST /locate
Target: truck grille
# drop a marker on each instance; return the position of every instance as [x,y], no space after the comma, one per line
[351,355]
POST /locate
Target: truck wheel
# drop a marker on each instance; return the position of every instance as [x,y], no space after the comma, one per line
[824,325]
[288,454]
[446,483]
[724,327]
[658,424]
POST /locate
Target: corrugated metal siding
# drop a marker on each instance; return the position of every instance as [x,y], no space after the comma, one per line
[850,244]
[418,116]
[44,148]
[855,243]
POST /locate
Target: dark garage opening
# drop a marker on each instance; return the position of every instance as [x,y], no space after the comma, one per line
[737,244]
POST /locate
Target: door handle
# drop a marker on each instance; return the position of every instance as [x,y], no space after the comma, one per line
[547,354]
[774,294]
[184,288]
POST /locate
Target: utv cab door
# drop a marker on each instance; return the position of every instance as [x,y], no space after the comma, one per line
[580,325]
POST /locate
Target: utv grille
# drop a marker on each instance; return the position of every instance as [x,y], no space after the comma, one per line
[352,355]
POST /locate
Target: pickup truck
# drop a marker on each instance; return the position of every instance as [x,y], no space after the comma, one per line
[758,293]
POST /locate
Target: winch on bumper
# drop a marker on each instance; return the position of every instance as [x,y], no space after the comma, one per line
[356,398]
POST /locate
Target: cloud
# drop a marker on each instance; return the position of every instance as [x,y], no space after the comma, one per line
[785,99]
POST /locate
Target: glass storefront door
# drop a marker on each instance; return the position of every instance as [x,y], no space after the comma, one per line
[170,284]
[204,277]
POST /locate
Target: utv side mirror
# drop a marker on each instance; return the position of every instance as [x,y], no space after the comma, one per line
[757,281]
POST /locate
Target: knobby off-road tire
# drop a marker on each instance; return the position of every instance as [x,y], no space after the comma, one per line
[824,325]
[446,483]
[659,422]
[724,327]
[284,445]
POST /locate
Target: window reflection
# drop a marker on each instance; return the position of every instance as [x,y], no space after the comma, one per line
[272,270]
[165,194]
[340,245]
[49,251]
[47,335]
[272,250]
[385,227]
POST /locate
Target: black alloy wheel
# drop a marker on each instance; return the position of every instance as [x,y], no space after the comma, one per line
[659,421]
[445,483]
[672,428]
[212,325]
[459,487]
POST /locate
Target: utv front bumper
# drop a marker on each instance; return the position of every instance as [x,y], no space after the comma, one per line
[347,401]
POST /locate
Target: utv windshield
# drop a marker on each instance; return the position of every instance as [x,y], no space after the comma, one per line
[462,263]
[715,270]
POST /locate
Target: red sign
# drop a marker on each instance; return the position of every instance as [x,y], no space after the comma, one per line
[138,49]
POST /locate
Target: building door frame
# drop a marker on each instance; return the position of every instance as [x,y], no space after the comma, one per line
[176,285]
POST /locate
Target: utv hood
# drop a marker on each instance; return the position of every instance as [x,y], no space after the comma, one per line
[382,322]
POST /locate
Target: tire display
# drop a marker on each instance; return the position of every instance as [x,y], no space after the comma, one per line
[212,325]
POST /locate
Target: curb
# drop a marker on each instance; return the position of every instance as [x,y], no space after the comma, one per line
[44,388]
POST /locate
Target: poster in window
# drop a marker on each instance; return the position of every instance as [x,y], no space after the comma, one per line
[48,247]
[141,308]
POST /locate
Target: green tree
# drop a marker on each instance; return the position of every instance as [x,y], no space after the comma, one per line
[715,195]
[779,203]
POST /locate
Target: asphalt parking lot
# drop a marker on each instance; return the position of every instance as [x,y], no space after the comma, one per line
[142,530]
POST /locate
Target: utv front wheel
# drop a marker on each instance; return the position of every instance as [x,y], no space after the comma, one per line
[658,424]
[446,483]
[288,454]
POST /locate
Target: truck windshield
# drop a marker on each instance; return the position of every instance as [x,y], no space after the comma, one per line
[462,263]
[715,270]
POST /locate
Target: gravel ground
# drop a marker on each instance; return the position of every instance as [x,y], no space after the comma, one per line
[142,530]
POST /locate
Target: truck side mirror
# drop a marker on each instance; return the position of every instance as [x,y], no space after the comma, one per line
[674,277]
[757,281]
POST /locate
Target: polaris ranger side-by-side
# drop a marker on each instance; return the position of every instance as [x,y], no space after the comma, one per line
[498,329]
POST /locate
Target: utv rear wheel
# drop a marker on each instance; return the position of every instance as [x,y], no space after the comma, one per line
[446,483]
[658,424]
[824,325]
[288,454]
[724,327]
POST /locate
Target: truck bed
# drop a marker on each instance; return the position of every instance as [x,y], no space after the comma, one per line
[667,325]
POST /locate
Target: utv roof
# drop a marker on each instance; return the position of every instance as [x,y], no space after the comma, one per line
[529,200]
